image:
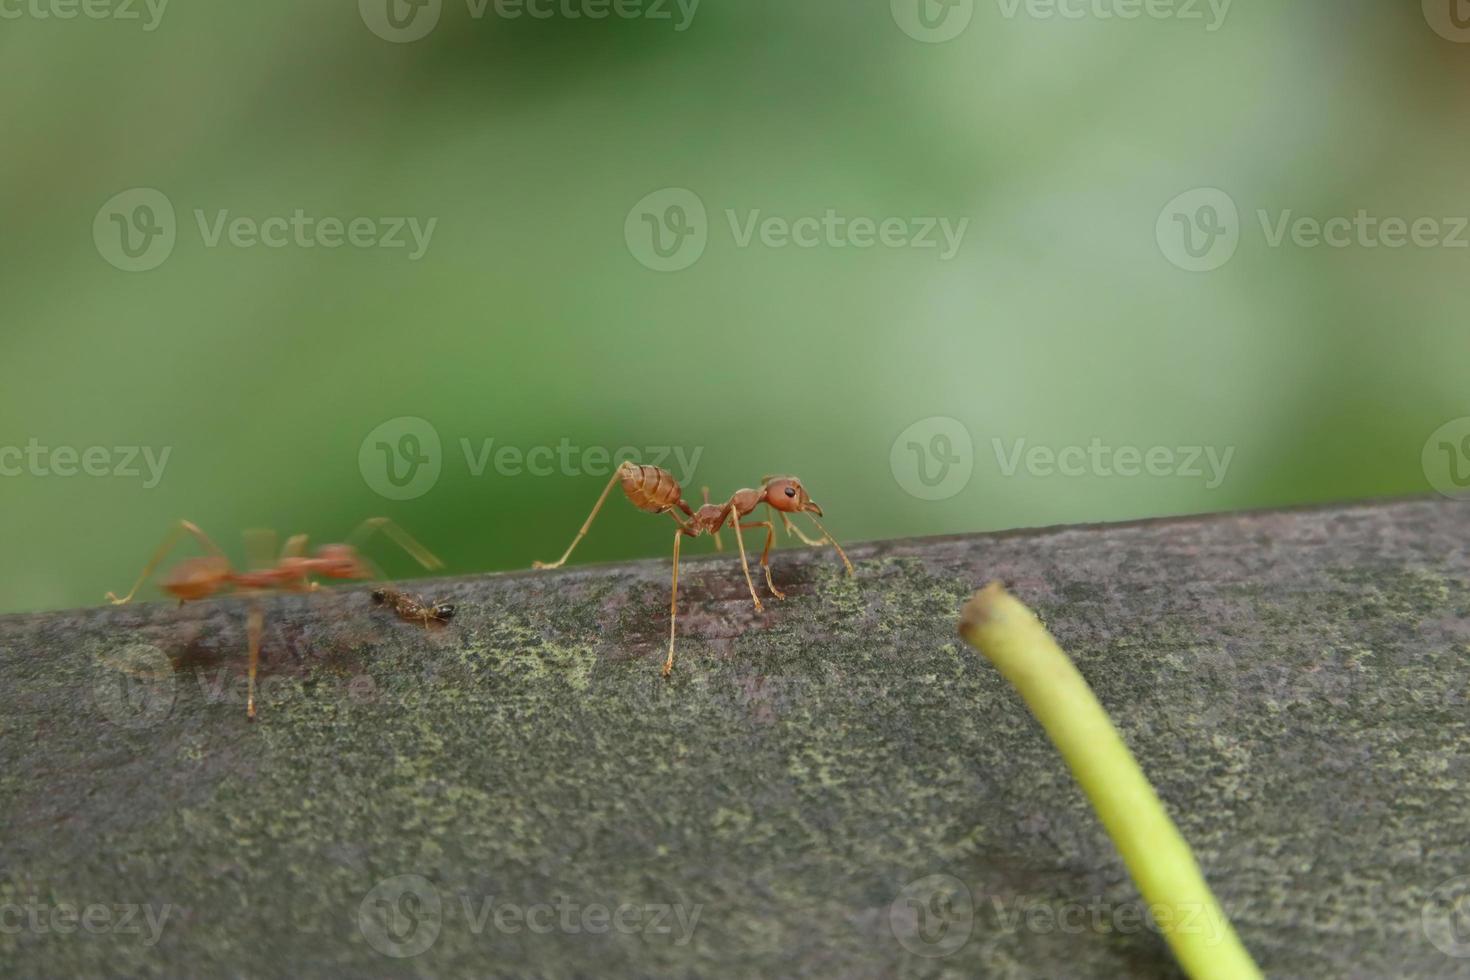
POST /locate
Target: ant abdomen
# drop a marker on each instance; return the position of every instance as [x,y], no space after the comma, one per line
[198,578]
[651,489]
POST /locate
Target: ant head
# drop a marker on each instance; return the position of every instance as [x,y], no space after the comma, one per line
[340,561]
[786,493]
[443,610]
[380,596]
[197,578]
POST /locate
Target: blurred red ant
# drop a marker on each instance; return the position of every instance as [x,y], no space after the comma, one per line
[655,491]
[200,578]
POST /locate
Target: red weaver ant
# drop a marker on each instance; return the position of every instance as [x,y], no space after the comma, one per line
[200,578]
[655,491]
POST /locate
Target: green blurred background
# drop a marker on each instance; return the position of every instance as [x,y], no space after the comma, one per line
[531,319]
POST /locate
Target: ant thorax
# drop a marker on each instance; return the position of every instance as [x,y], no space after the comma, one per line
[745,501]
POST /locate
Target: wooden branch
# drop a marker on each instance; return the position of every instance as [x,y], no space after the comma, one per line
[832,788]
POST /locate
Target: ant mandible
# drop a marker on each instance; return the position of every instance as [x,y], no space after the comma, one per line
[200,578]
[654,490]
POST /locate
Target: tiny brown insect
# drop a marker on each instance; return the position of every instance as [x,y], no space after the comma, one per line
[291,571]
[655,491]
[414,609]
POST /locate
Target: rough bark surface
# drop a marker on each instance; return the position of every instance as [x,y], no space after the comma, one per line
[1295,684]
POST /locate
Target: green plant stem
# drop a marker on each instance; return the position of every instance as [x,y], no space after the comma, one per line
[1157,856]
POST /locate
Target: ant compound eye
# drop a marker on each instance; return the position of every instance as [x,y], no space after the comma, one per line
[790,491]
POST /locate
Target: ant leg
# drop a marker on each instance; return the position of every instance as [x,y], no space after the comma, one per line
[169,543]
[719,545]
[766,554]
[673,604]
[740,541]
[617,475]
[399,537]
[295,547]
[793,529]
[254,627]
[260,548]
[833,542]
